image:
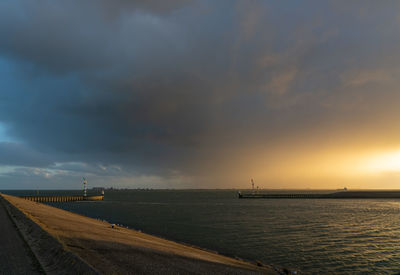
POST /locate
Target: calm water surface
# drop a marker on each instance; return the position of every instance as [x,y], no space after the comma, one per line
[313,235]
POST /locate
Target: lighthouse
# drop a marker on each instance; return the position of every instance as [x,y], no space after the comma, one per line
[84,187]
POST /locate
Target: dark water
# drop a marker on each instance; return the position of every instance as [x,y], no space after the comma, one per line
[333,236]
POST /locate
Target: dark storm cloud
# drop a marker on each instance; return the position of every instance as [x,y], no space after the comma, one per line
[18,154]
[112,87]
[156,86]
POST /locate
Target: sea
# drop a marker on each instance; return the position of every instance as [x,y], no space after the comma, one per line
[335,236]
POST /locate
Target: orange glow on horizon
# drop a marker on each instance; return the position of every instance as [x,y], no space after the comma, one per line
[383,162]
[327,169]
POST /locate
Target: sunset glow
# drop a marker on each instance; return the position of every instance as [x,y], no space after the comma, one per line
[385,162]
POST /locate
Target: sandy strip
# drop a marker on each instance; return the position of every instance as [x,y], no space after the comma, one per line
[125,251]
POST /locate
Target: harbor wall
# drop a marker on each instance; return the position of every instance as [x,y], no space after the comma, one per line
[62,198]
[337,195]
[95,198]
[51,254]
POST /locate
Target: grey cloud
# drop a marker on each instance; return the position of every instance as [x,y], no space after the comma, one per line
[18,154]
[155,87]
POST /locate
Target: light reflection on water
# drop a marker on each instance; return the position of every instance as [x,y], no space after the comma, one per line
[313,235]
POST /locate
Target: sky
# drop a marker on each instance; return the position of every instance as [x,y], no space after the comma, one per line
[199,94]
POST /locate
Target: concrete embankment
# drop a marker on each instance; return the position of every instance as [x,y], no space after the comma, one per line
[51,255]
[15,255]
[101,248]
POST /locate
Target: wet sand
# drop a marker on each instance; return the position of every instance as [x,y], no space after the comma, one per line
[124,251]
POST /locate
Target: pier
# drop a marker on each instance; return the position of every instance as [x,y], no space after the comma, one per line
[62,198]
[337,195]
[281,196]
[66,198]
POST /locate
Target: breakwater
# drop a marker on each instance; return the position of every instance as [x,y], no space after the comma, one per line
[53,257]
[62,198]
[282,196]
[337,195]
[110,249]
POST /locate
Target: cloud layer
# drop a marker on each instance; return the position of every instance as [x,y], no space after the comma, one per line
[189,93]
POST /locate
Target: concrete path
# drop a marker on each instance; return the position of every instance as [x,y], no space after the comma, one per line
[15,255]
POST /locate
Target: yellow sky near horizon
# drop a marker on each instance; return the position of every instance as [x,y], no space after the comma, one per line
[312,163]
[376,169]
